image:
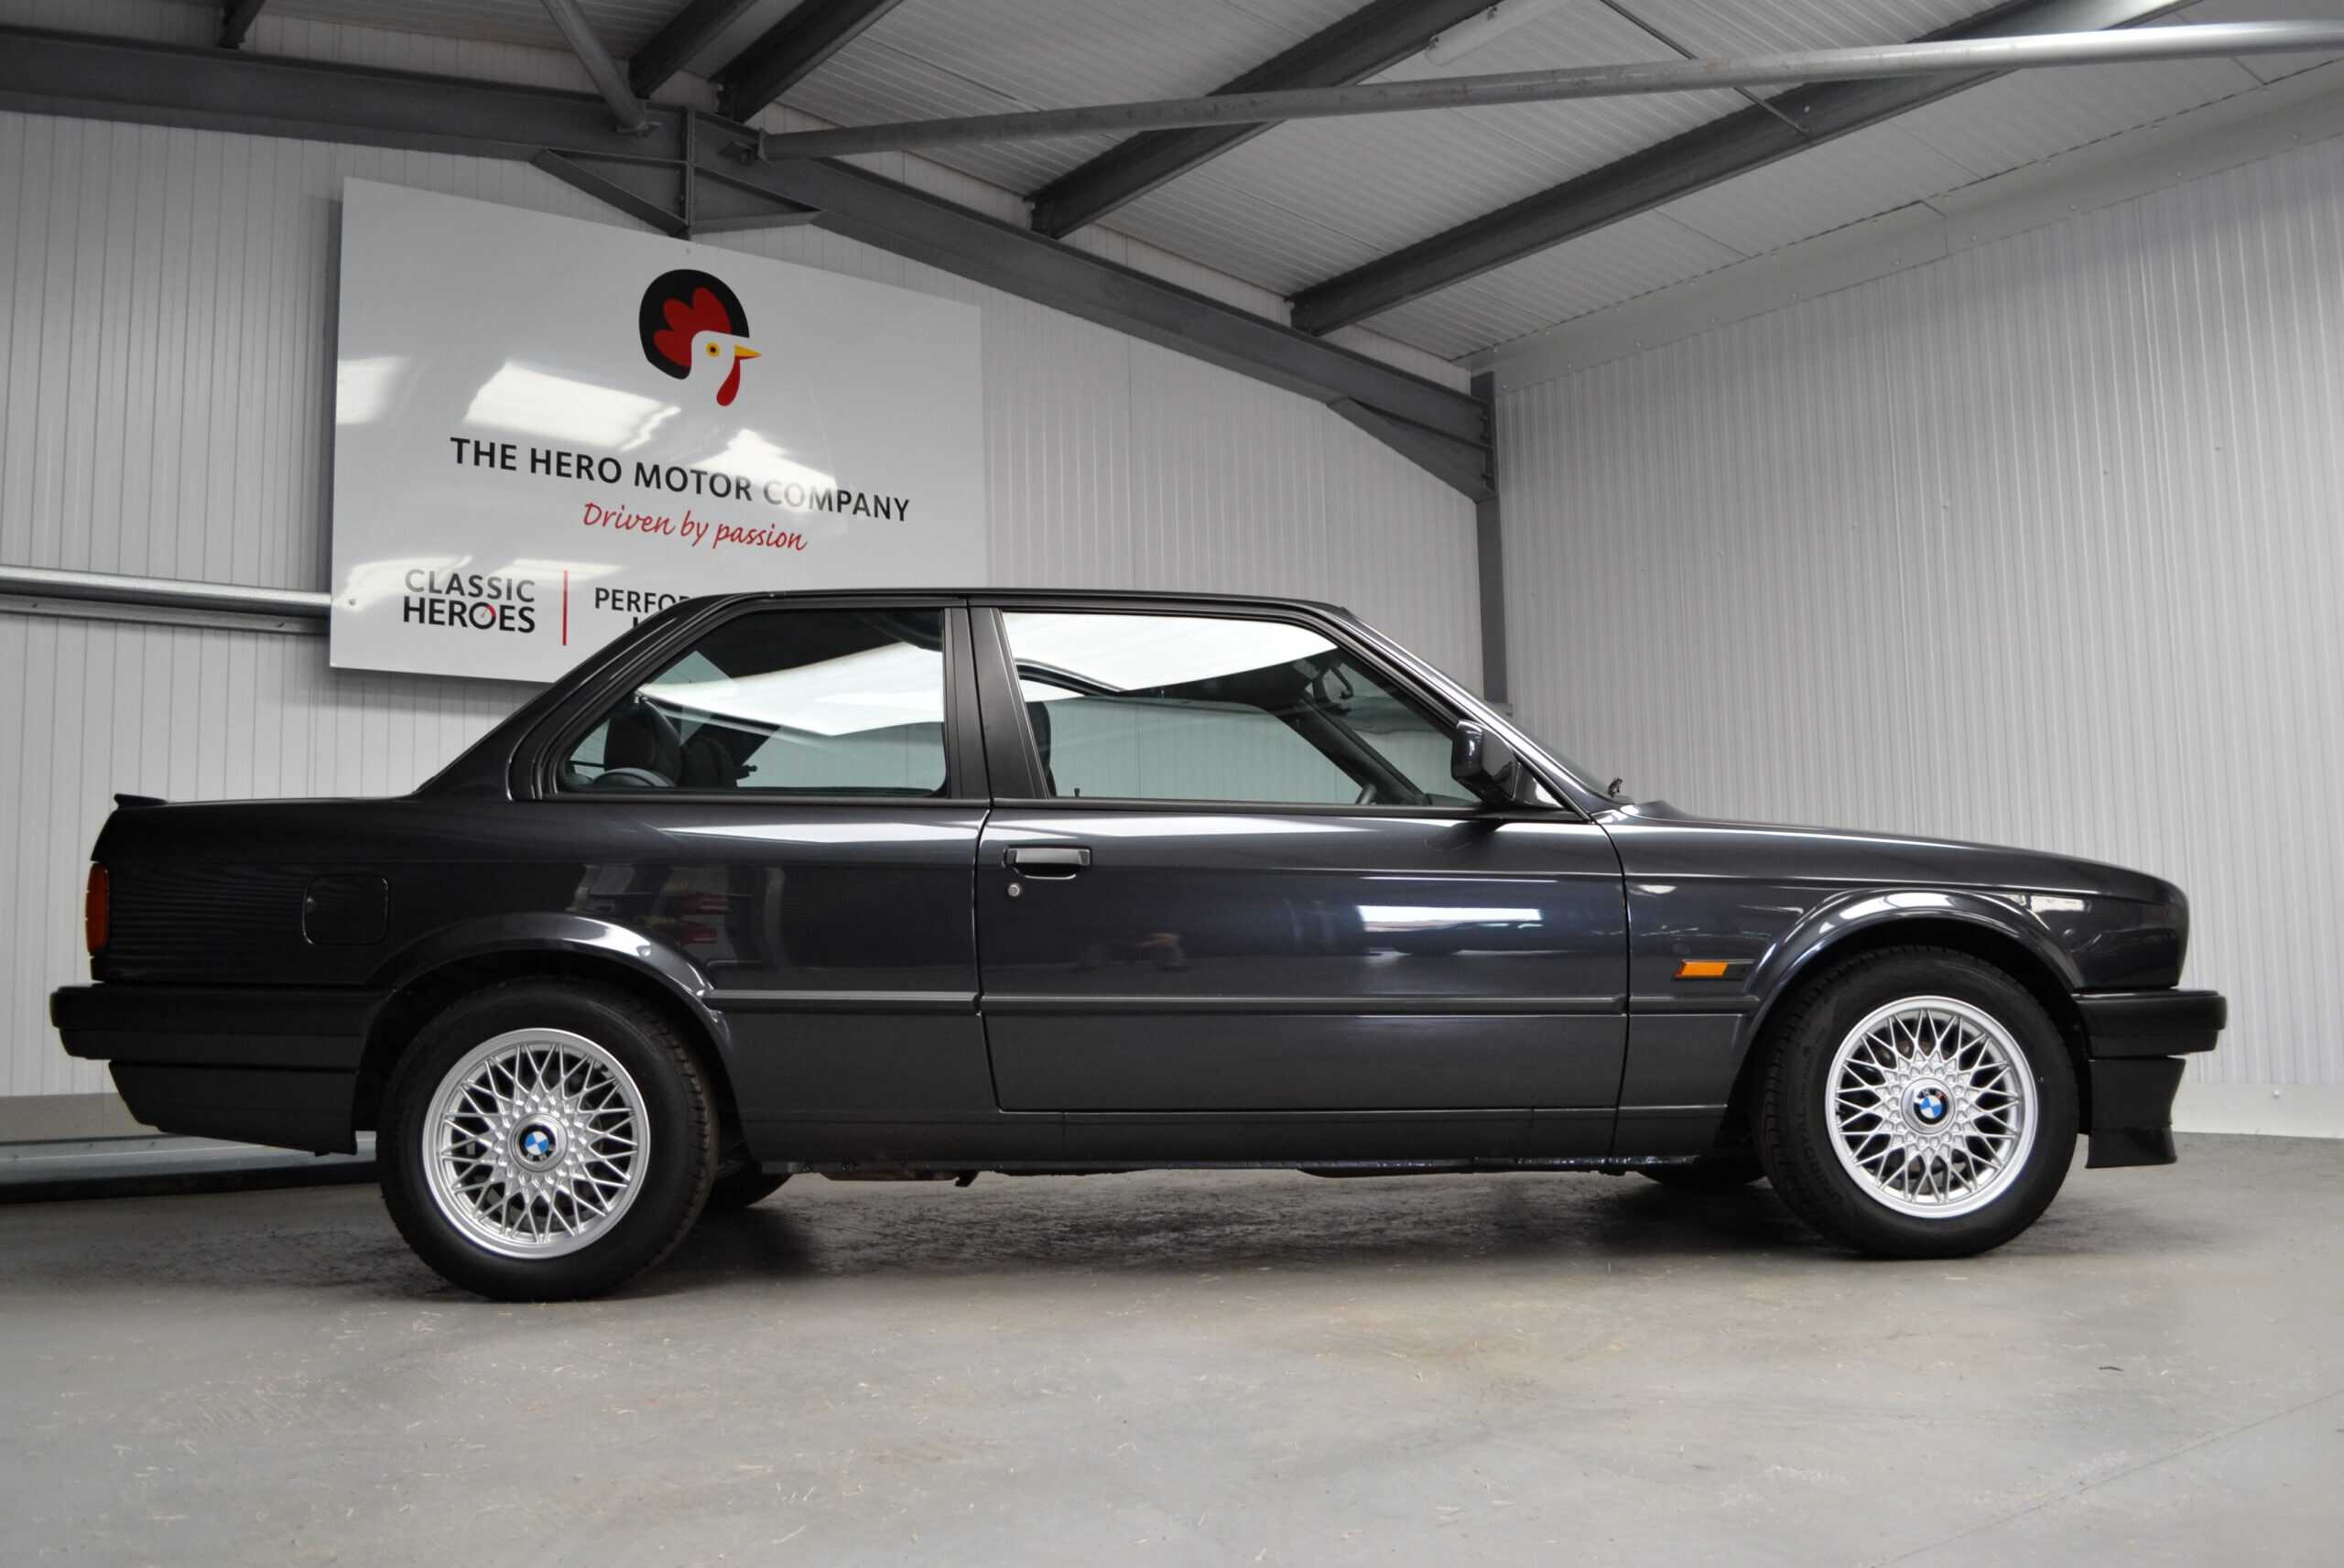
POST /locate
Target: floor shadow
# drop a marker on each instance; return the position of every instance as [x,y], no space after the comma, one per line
[1285,1222]
[341,1243]
[1562,1224]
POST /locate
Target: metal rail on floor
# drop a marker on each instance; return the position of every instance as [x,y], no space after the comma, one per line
[160,1165]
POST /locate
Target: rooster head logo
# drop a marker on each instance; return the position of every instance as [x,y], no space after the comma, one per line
[694,328]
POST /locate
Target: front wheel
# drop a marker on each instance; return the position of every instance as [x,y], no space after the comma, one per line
[545,1141]
[1919,1103]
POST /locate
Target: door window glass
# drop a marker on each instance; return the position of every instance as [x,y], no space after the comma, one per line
[793,701]
[1219,708]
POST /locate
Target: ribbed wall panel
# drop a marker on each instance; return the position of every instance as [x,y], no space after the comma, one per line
[2036,544]
[167,309]
[97,707]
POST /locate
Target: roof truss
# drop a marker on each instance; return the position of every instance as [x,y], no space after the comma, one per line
[1747,139]
[681,173]
[1368,41]
[791,49]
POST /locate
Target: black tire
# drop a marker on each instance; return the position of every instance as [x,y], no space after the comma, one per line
[680,1161]
[1795,1136]
[1709,1173]
[742,1187]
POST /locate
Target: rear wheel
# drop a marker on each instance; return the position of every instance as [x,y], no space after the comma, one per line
[544,1142]
[1919,1103]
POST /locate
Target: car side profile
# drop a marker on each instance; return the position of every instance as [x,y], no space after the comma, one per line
[926,885]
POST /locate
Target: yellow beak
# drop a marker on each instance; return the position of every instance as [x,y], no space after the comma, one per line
[741,352]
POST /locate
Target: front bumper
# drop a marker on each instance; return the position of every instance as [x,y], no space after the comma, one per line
[2134,1042]
[258,1064]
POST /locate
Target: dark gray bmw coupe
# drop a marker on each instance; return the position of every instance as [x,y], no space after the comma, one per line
[931,884]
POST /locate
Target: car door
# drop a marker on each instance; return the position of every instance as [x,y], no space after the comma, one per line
[1228,881]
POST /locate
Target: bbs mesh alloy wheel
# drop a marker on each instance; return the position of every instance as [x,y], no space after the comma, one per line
[1917,1102]
[544,1140]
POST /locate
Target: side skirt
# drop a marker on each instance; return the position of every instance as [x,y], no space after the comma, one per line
[1606,1164]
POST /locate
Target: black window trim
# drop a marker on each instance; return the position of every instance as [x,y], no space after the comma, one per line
[1015,761]
[538,757]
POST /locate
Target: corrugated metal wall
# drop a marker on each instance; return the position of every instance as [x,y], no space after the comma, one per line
[167,304]
[2038,544]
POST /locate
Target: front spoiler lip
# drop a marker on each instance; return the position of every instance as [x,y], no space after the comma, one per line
[2152,1023]
[2134,1042]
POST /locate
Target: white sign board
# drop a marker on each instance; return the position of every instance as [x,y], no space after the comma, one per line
[547,429]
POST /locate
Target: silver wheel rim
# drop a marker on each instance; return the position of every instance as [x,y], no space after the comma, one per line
[536,1143]
[1932,1107]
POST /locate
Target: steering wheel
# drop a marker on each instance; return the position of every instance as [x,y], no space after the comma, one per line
[665,727]
[666,741]
[631,778]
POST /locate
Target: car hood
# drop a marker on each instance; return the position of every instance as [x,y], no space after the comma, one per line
[1656,839]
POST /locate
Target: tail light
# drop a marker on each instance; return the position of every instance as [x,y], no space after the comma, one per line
[97,909]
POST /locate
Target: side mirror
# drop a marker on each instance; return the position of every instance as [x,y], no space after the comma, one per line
[1486,764]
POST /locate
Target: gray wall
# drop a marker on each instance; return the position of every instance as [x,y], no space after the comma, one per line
[2039,543]
[166,366]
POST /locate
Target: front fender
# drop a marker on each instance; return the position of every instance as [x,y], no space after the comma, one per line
[549,932]
[1833,922]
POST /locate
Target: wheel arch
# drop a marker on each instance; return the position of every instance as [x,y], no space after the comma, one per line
[1968,923]
[428,976]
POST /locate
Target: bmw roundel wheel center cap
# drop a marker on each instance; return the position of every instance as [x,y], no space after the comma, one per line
[1928,1105]
[536,1143]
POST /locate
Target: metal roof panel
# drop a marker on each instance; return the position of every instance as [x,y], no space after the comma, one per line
[1824,188]
[2032,114]
[1773,26]
[1634,256]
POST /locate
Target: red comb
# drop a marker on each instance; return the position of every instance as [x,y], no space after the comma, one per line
[706,313]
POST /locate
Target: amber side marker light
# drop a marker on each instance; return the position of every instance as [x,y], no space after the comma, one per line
[1701,969]
[97,909]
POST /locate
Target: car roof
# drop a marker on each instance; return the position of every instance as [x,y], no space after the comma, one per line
[1047,596]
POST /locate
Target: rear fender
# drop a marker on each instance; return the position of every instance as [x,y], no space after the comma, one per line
[576,935]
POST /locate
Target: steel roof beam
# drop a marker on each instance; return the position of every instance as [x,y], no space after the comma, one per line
[793,50]
[601,69]
[46,73]
[236,19]
[1739,142]
[647,193]
[674,47]
[1466,466]
[1368,41]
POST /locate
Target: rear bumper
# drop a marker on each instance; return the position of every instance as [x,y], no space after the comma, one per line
[259,1065]
[2135,1041]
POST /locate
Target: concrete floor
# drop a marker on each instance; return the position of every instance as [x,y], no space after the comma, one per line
[1197,1368]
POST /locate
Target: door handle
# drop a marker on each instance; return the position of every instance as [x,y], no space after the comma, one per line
[1053,861]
